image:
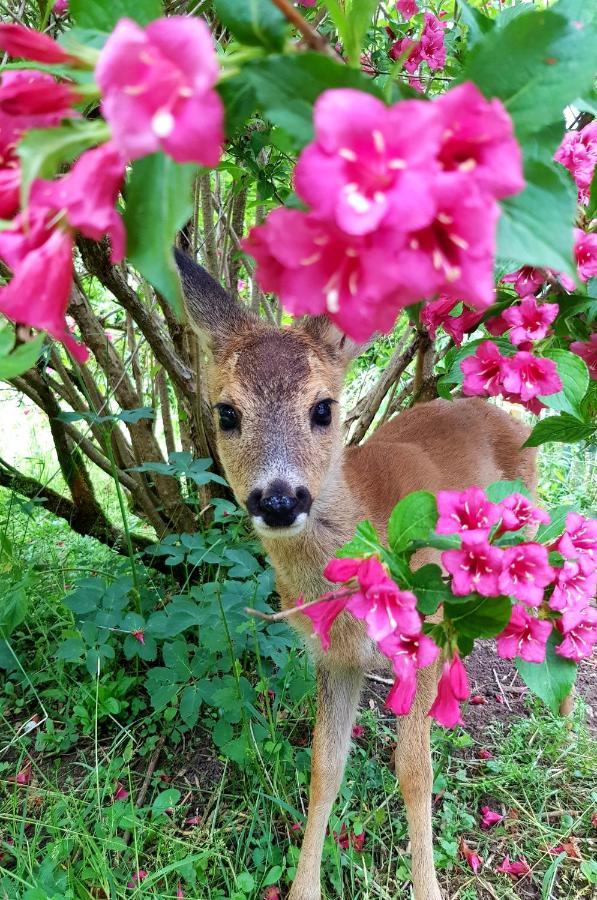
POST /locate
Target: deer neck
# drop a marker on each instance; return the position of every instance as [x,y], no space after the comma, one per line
[299,561]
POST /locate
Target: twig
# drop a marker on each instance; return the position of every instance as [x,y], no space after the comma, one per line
[286,613]
[311,37]
[379,678]
[502,691]
[145,786]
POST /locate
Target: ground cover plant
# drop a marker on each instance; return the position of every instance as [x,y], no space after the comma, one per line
[378,163]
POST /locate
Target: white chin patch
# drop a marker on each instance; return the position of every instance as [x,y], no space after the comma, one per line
[287,531]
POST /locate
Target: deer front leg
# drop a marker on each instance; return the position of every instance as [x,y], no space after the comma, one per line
[338,692]
[415,775]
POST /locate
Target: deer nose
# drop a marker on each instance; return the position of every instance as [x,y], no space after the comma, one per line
[279,505]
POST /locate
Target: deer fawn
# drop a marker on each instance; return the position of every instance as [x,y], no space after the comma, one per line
[279,437]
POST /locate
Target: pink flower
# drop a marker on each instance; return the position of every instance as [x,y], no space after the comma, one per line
[341,570]
[496,326]
[478,700]
[472,858]
[10,173]
[346,839]
[38,294]
[526,573]
[429,48]
[157,89]
[478,139]
[489,818]
[468,510]
[402,693]
[527,376]
[576,583]
[414,651]
[357,732]
[438,312]
[87,195]
[579,627]
[25,93]
[579,538]
[16,40]
[454,254]
[120,792]
[407,8]
[323,615]
[179,892]
[578,153]
[526,280]
[587,350]
[356,281]
[139,636]
[483,371]
[452,689]
[273,891]
[485,754]
[530,320]
[517,511]
[140,875]
[385,609]
[585,251]
[525,636]
[369,162]
[23,776]
[60,7]
[476,567]
[515,869]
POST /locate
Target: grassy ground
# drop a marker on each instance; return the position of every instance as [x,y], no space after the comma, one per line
[199,825]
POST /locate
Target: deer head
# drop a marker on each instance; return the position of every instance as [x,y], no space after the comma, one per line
[275,394]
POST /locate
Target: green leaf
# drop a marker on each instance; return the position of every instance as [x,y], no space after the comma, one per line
[102,15]
[548,199]
[165,800]
[21,359]
[158,204]
[564,429]
[574,374]
[550,61]
[499,490]
[551,680]
[287,86]
[589,870]
[42,151]
[190,703]
[551,530]
[477,23]
[13,609]
[364,543]
[254,22]
[412,519]
[430,589]
[476,616]
[239,101]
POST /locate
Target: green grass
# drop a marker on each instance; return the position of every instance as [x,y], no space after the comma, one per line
[64,836]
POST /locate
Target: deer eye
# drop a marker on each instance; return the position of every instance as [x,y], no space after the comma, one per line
[321,414]
[229,419]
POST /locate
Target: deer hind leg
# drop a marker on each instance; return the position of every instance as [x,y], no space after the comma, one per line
[415,775]
[338,693]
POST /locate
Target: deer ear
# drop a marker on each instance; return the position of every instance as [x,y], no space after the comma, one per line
[214,315]
[333,340]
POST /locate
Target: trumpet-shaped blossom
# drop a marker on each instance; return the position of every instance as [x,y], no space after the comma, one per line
[527,376]
[402,693]
[587,350]
[515,869]
[468,510]
[60,8]
[87,195]
[579,538]
[483,371]
[370,163]
[438,312]
[524,636]
[429,48]
[38,294]
[452,689]
[575,584]
[529,320]
[409,651]
[324,614]
[585,251]
[471,857]
[454,254]
[407,8]
[579,627]
[578,153]
[489,818]
[158,92]
[385,608]
[476,567]
[526,573]
[16,40]
[10,172]
[478,139]
[120,792]
[35,99]
[315,268]
[526,280]
[517,511]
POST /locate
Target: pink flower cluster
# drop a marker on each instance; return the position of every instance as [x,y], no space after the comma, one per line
[522,378]
[578,153]
[390,617]
[157,88]
[429,48]
[544,595]
[403,207]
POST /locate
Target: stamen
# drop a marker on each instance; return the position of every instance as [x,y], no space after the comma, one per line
[468,165]
[397,164]
[332,301]
[347,153]
[459,241]
[309,260]
[379,140]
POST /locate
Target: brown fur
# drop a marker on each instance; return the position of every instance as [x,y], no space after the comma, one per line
[273,378]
